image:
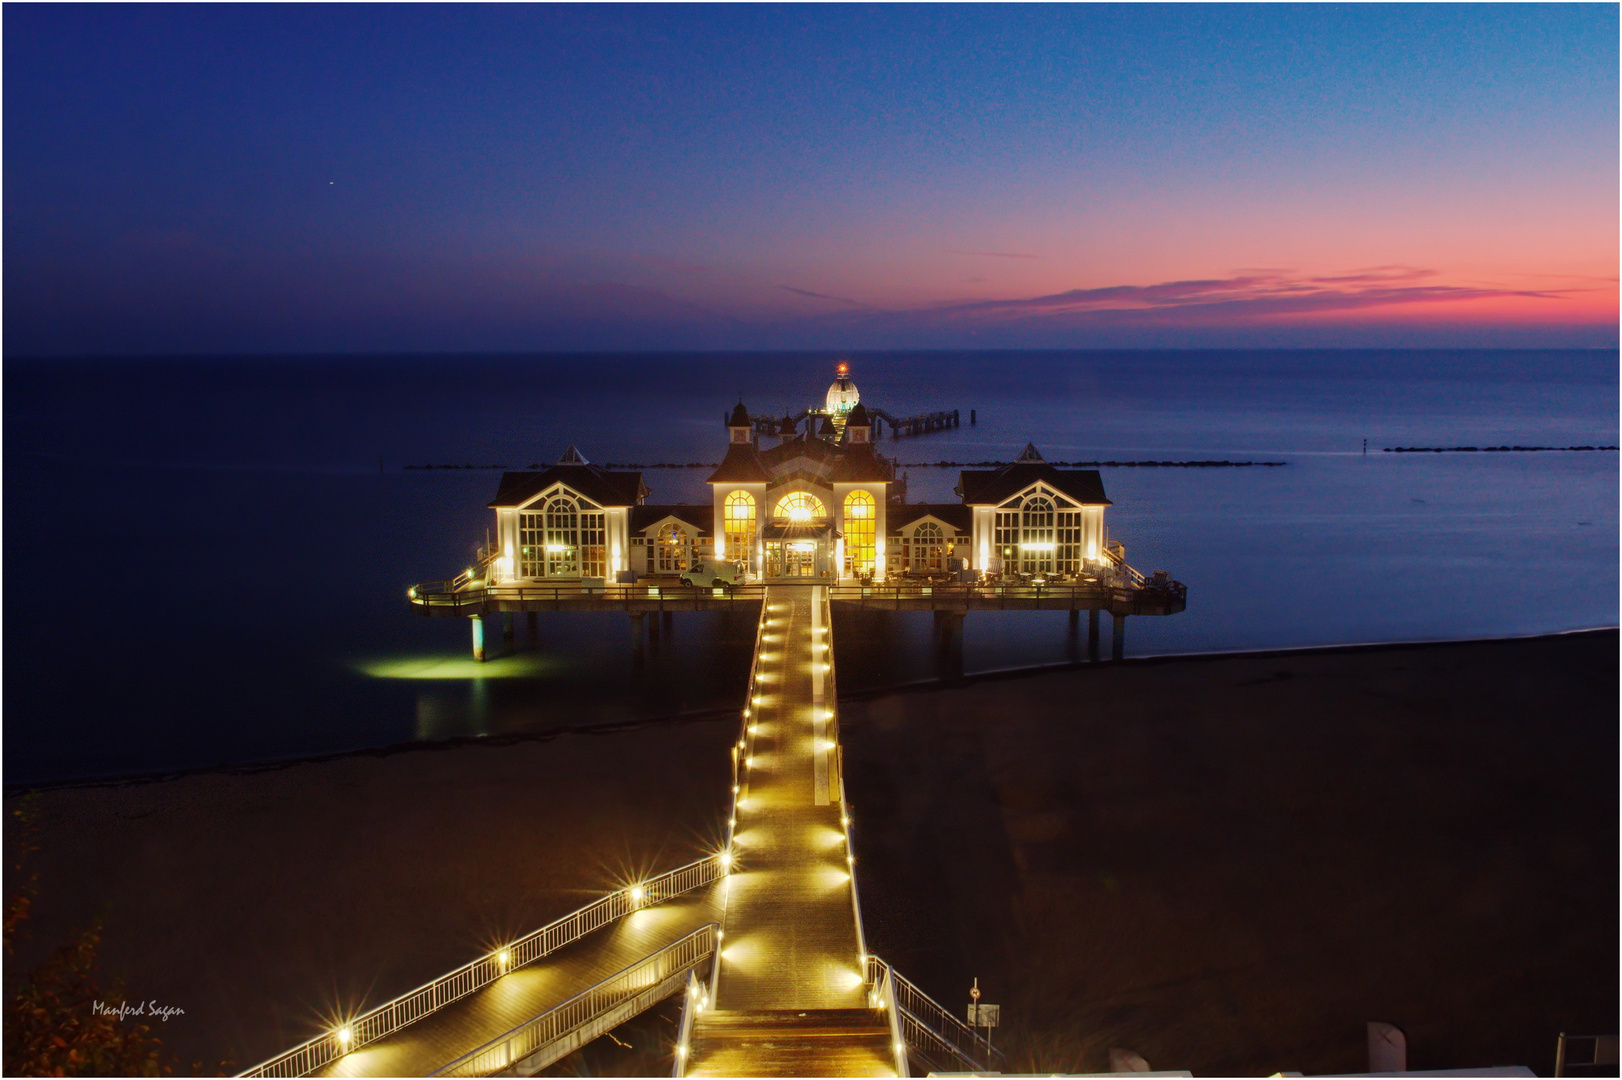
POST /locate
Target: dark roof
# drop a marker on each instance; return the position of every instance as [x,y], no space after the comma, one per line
[787,429]
[859,463]
[900,515]
[742,465]
[995,486]
[739,417]
[827,427]
[601,486]
[820,453]
[644,516]
[858,416]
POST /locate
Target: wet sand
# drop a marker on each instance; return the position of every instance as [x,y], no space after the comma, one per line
[1225,864]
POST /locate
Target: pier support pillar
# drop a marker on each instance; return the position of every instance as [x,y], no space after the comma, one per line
[478,636]
[1117,637]
[1092,635]
[509,630]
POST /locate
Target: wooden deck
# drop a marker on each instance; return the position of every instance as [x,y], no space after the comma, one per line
[443,1036]
[791,999]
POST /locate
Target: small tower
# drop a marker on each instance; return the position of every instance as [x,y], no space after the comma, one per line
[787,429]
[827,429]
[739,427]
[858,427]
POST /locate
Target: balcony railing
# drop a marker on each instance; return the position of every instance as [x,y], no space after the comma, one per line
[391,1016]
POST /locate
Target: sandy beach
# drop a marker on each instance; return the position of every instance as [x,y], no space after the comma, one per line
[1225,864]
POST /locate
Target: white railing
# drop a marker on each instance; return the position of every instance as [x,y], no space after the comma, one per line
[391,1016]
[628,992]
[1116,553]
[928,1027]
[689,1016]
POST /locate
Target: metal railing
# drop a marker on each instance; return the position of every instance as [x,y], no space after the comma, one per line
[1115,551]
[928,1027]
[393,1015]
[629,991]
[453,595]
[1086,592]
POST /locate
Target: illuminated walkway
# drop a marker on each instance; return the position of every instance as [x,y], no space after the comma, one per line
[790,1000]
[452,1031]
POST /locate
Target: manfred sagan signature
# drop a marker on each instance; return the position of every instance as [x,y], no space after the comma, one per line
[124,1009]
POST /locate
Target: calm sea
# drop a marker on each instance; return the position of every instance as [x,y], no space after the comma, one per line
[206,559]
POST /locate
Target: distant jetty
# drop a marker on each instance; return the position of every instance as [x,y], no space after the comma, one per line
[1491,449]
[1102,464]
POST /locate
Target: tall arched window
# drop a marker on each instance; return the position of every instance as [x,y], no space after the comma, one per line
[675,549]
[739,516]
[1036,541]
[861,523]
[928,549]
[564,536]
[800,506]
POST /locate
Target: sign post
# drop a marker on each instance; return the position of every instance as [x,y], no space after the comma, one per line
[986,1016]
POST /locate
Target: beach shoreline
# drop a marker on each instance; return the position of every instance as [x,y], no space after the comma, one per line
[991,819]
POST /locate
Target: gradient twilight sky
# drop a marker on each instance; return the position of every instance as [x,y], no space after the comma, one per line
[412,178]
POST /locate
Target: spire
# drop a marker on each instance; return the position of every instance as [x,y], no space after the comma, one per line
[572,456]
[739,417]
[1030,453]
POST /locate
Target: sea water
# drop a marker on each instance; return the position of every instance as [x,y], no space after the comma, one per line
[207,558]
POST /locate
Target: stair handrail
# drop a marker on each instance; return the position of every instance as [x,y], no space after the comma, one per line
[931,1016]
[562,1019]
[431,996]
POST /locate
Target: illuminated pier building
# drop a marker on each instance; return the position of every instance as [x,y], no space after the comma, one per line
[801,499]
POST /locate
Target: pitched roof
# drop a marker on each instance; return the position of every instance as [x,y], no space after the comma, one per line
[742,465]
[900,515]
[647,515]
[739,417]
[995,486]
[858,417]
[860,463]
[602,486]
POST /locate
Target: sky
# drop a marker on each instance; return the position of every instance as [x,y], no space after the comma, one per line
[378,178]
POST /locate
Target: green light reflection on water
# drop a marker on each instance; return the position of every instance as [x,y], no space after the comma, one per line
[520,666]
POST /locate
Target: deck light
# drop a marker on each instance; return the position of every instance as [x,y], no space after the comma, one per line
[412,592]
[734,789]
[733,824]
[726,860]
[504,958]
[851,859]
[344,1035]
[637,893]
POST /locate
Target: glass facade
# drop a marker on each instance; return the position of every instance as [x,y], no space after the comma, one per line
[567,537]
[800,506]
[739,511]
[861,524]
[674,550]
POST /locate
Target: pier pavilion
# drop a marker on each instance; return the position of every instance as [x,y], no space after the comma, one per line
[821,504]
[762,938]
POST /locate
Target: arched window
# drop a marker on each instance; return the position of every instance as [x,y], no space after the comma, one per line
[861,522]
[1036,543]
[928,549]
[675,549]
[739,517]
[800,506]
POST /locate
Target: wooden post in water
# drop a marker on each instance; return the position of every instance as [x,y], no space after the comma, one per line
[478,637]
[1092,635]
[1117,638]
